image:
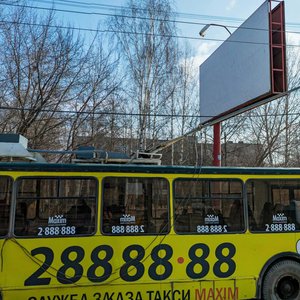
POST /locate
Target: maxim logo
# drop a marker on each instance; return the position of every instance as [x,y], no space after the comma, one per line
[279,218]
[127,219]
[211,219]
[57,220]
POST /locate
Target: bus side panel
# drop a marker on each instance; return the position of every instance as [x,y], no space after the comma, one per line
[195,267]
[99,292]
[144,267]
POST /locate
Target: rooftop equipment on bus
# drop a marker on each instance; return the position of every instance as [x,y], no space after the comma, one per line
[13,147]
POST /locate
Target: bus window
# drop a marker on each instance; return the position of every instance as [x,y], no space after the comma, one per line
[55,206]
[135,206]
[273,204]
[5,200]
[208,206]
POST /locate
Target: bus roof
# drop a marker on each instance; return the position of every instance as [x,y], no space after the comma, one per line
[133,168]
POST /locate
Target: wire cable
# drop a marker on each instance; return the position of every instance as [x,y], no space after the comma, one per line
[136,17]
[139,33]
[178,14]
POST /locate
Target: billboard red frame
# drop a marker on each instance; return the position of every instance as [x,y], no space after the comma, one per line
[278,48]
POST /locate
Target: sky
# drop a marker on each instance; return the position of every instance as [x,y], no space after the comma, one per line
[230,13]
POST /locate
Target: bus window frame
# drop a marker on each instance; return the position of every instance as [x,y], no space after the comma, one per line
[222,179]
[272,185]
[57,177]
[11,207]
[136,176]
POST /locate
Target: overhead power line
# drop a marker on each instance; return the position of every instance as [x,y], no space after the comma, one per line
[135,114]
[138,33]
[115,8]
[136,17]
[101,112]
[122,8]
[105,14]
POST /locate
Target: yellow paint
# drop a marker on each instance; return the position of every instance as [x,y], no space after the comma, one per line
[19,261]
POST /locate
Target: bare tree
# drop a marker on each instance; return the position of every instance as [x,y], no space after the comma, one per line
[145,38]
[187,100]
[46,69]
[96,99]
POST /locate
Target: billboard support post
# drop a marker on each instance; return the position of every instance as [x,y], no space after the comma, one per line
[217,145]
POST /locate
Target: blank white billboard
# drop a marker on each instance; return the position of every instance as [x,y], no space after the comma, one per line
[238,73]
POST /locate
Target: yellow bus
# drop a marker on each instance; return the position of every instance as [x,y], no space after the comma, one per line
[138,232]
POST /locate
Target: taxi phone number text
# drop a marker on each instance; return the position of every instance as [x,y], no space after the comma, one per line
[57,230]
[281,227]
[211,228]
[133,268]
[127,229]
